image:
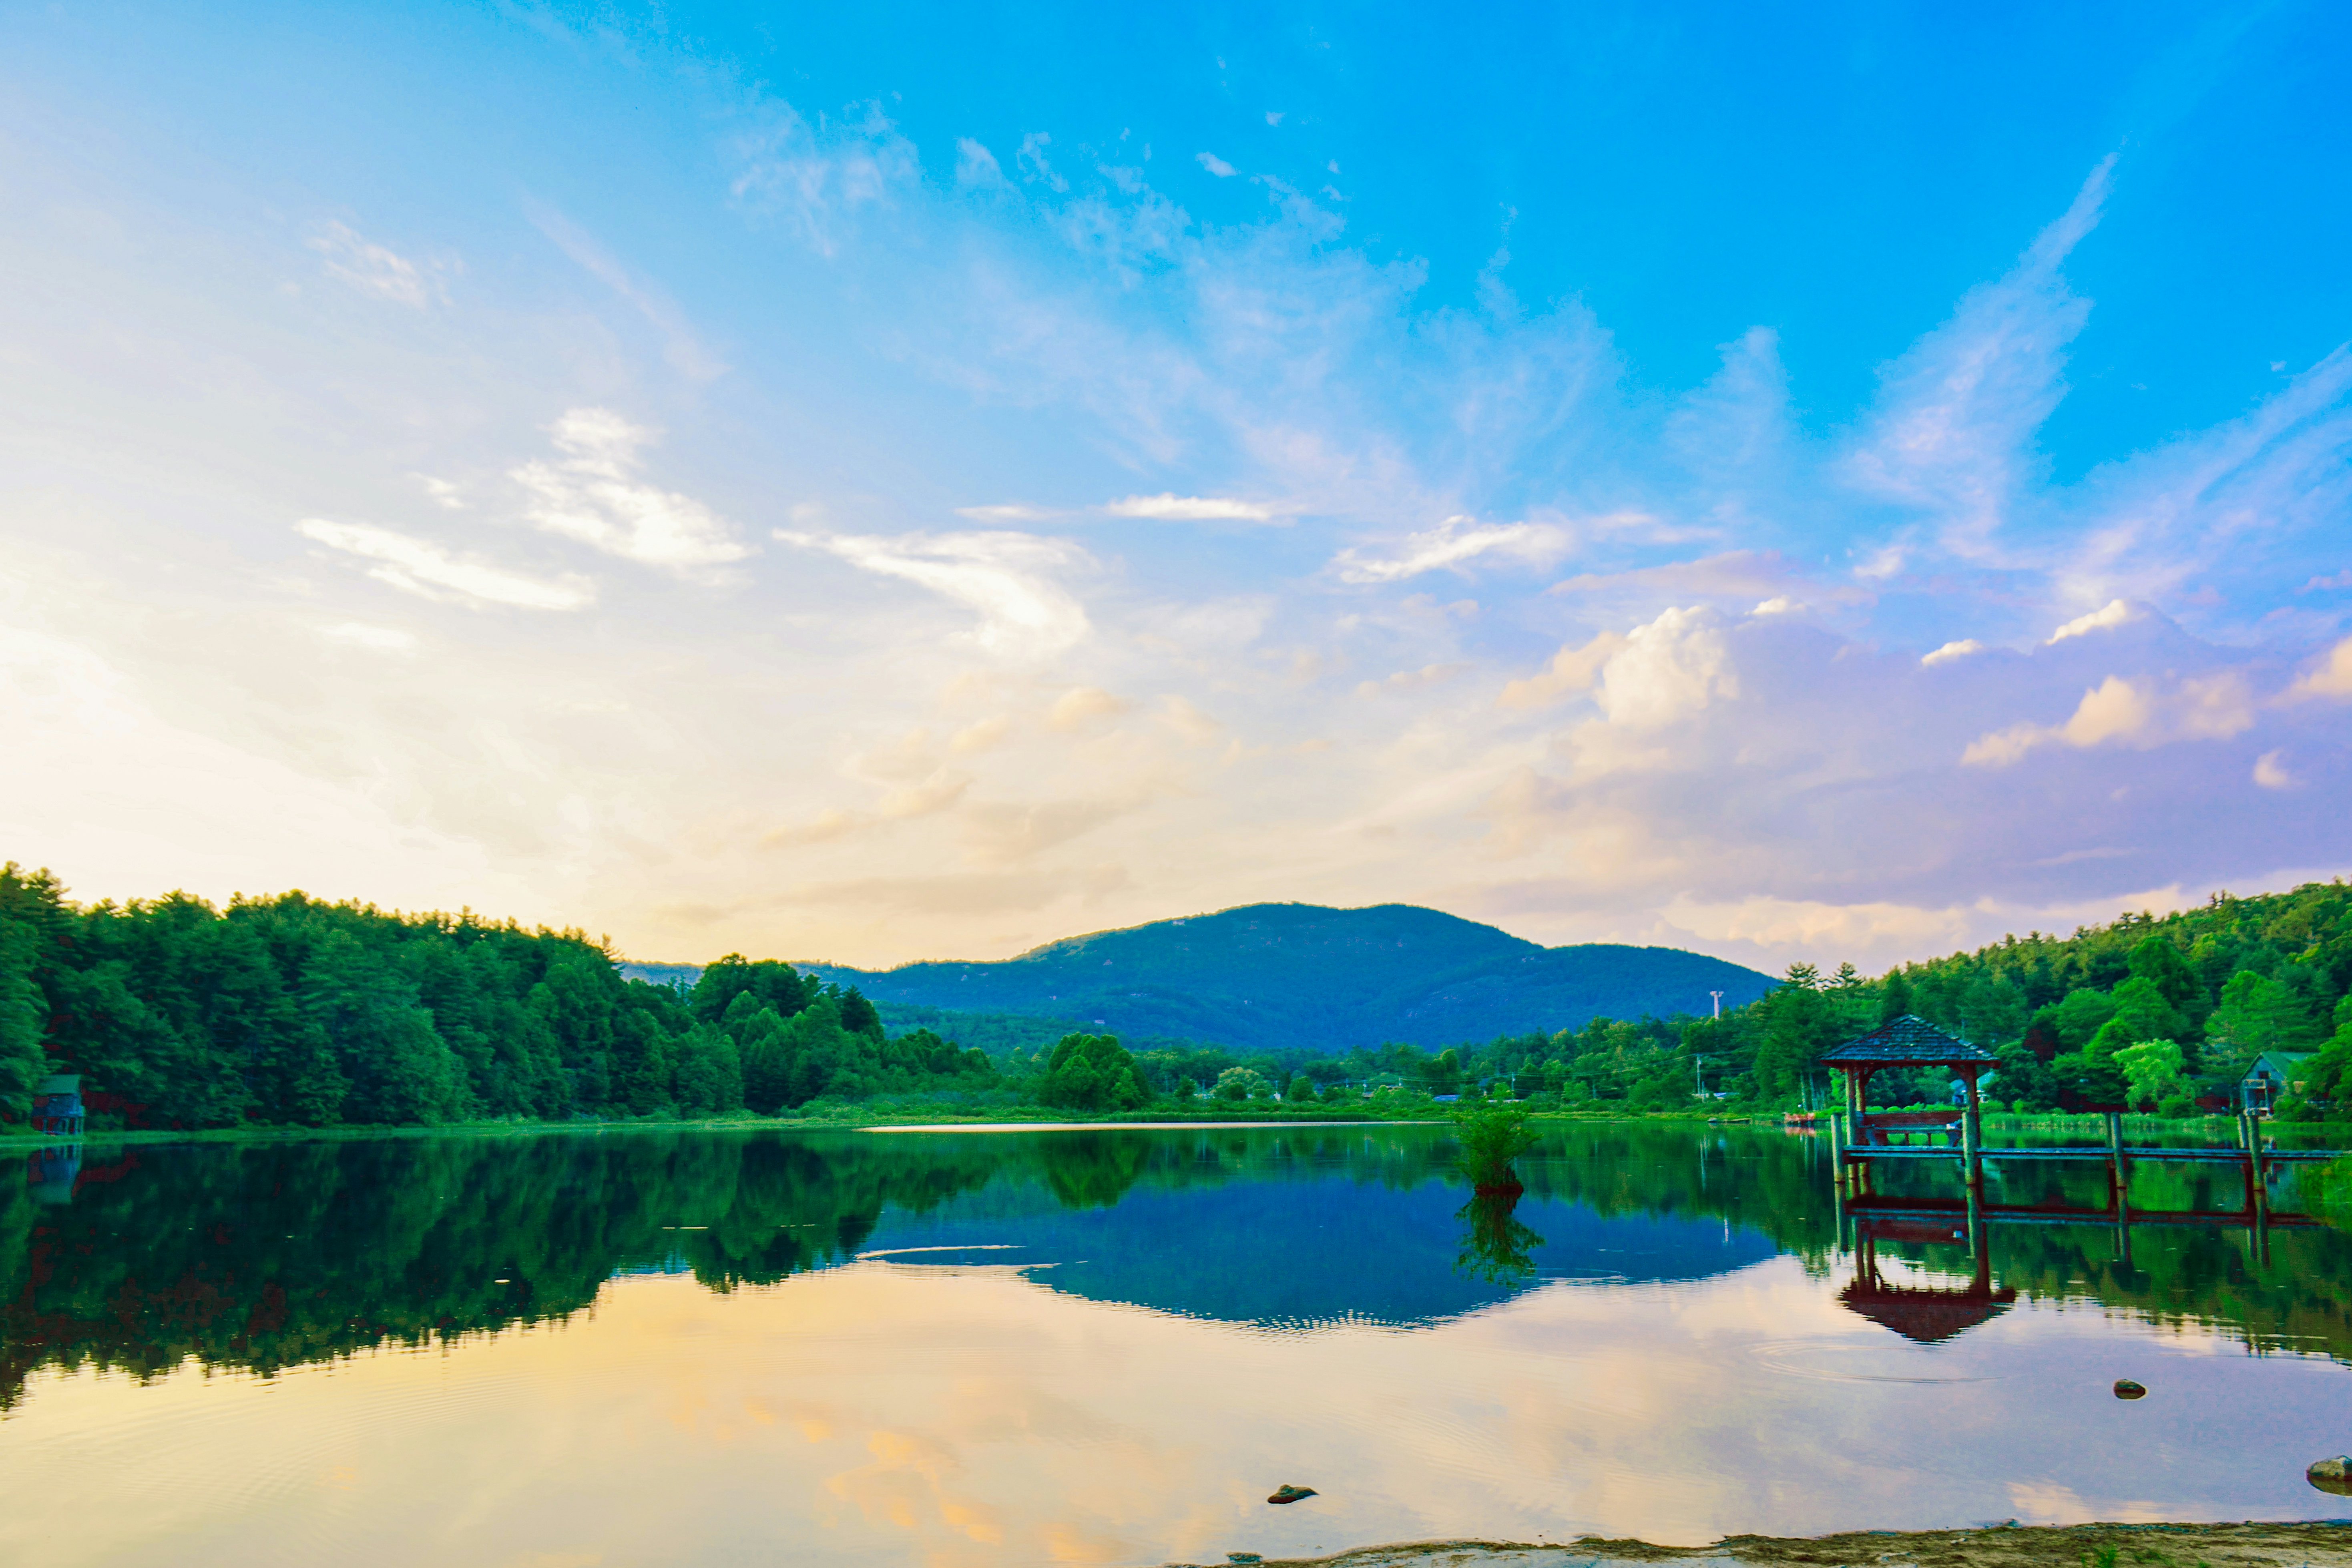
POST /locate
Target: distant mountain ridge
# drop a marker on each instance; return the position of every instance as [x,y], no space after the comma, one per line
[1283,976]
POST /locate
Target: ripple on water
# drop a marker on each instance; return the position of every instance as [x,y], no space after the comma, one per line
[1831,1358]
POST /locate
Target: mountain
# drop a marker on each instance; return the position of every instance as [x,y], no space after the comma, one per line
[1281,977]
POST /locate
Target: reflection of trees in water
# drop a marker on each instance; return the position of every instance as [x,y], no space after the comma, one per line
[265,1257]
[1495,1245]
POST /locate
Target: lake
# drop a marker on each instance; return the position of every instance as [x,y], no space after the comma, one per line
[1109,1346]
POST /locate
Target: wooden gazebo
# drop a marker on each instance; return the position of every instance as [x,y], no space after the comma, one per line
[1907,1042]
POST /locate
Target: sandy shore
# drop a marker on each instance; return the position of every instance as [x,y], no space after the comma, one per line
[2007,1546]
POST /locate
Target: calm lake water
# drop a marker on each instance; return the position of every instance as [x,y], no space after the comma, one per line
[1078,1346]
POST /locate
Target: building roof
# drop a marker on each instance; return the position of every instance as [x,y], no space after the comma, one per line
[2278,1062]
[1907,1041]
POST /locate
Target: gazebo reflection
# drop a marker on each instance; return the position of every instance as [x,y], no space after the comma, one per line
[1924,1314]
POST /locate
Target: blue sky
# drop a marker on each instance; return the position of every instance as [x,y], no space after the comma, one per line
[915,482]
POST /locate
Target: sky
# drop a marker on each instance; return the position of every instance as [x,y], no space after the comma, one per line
[919,481]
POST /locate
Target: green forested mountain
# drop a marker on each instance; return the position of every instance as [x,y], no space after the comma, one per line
[289,1010]
[1300,978]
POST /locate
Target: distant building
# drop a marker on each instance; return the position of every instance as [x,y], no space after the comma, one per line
[2275,1073]
[56,1105]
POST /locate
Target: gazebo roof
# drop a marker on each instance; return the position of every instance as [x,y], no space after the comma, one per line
[1926,1317]
[1908,1041]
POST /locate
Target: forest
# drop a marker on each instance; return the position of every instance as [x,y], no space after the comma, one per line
[286,1010]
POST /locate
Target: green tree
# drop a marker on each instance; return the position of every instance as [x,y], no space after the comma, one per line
[1090,1073]
[2152,1070]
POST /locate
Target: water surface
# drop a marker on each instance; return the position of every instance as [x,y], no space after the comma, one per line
[1108,1346]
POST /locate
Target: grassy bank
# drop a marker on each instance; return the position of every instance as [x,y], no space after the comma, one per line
[2326,1545]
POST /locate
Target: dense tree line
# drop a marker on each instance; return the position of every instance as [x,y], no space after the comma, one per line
[292,1010]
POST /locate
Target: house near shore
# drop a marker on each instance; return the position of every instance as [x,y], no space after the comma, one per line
[2273,1074]
[57,1106]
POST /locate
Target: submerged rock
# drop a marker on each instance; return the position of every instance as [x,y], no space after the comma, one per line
[2127,1389]
[1286,1492]
[2332,1475]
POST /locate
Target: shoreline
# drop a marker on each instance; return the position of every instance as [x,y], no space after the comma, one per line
[2311,1544]
[1026,1118]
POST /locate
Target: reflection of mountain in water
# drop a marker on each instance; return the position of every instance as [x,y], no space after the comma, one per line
[1308,1251]
[268,1256]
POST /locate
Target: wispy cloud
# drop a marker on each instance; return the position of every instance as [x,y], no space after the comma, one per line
[376,270]
[1006,577]
[1167,507]
[593,494]
[1449,544]
[1214,164]
[681,345]
[431,571]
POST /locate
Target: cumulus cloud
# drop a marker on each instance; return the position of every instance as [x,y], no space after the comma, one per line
[431,571]
[1171,508]
[2332,677]
[593,494]
[1952,650]
[1214,164]
[1674,666]
[1449,544]
[1006,577]
[2132,712]
[1572,670]
[375,269]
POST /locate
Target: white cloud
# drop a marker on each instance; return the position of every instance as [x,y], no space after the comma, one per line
[2332,677]
[1952,650]
[421,567]
[373,269]
[1002,514]
[2135,712]
[2271,771]
[1952,433]
[1215,165]
[1167,507]
[593,495]
[1572,670]
[1669,668]
[2114,612]
[1453,542]
[1004,576]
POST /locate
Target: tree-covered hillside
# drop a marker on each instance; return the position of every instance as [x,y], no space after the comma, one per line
[2152,1011]
[1291,978]
[290,1010]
